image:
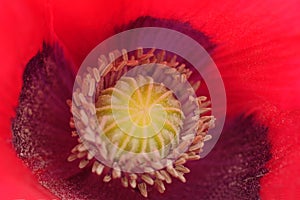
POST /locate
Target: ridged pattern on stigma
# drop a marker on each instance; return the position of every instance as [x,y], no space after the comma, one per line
[140,116]
[106,76]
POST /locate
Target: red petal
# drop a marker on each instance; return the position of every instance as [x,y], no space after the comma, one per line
[82,26]
[24,26]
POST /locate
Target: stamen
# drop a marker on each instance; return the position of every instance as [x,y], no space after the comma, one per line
[147,179]
[132,181]
[160,186]
[143,189]
[182,169]
[83,163]
[99,169]
[107,178]
[166,176]
[124,181]
[181,177]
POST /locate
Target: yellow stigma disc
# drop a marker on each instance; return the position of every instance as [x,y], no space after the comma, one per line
[140,116]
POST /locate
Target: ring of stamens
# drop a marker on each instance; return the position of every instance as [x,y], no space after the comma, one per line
[106,77]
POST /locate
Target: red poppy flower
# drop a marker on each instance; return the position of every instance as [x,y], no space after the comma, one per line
[255,46]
